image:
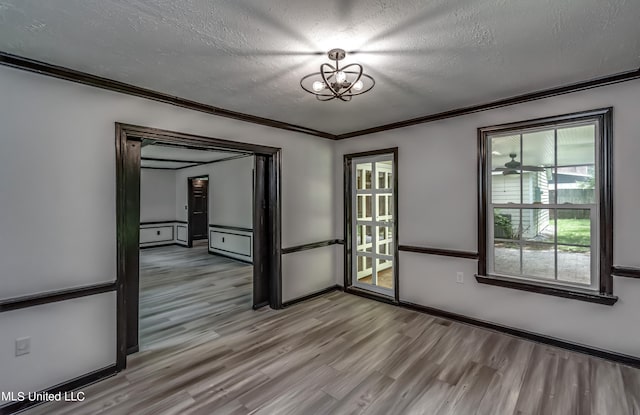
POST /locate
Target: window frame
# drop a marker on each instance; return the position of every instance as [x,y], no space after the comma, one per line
[603,292]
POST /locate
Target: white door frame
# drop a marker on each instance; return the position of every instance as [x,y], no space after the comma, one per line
[358,248]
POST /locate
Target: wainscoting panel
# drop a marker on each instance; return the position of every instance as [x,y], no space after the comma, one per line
[156,234]
[182,234]
[232,243]
[165,232]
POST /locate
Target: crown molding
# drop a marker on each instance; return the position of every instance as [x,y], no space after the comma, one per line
[43,68]
[519,99]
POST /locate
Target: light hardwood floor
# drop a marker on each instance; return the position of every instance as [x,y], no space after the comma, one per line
[342,354]
[182,289]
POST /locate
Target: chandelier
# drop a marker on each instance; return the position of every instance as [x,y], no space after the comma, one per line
[334,82]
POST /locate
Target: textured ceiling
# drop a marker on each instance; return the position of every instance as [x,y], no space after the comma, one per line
[248,55]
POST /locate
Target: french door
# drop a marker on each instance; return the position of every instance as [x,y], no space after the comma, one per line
[373,224]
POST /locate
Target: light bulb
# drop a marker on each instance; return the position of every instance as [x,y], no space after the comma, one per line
[358,86]
[341,76]
[318,86]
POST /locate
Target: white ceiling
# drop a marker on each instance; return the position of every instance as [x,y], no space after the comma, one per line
[249,55]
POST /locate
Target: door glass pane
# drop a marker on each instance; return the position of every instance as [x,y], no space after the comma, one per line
[364,207]
[363,176]
[365,239]
[384,206]
[384,170]
[538,260]
[384,273]
[385,239]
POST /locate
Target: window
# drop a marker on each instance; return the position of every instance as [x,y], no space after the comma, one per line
[546,204]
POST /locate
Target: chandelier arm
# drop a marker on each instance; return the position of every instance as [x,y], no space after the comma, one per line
[324,77]
[359,73]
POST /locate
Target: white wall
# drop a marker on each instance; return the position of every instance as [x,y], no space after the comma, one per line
[230,191]
[157,195]
[58,210]
[437,208]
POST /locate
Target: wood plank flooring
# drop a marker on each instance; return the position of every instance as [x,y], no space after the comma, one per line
[343,354]
[182,288]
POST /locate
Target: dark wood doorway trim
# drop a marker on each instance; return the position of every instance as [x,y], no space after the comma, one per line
[266,215]
[190,225]
[348,159]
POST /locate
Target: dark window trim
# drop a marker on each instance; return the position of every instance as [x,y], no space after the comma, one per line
[347,162]
[572,293]
[605,172]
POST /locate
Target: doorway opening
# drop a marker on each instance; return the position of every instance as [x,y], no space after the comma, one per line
[261,244]
[198,208]
[371,226]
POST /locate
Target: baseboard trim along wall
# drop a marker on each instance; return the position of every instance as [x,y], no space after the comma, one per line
[230,257]
[540,338]
[311,296]
[67,387]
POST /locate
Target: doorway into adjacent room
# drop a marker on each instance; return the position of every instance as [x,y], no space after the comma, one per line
[371,200]
[187,264]
[198,208]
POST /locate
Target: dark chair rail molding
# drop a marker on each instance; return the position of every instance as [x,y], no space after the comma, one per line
[438,251]
[574,294]
[55,296]
[159,222]
[574,347]
[232,228]
[628,272]
[547,93]
[312,245]
[71,385]
[60,72]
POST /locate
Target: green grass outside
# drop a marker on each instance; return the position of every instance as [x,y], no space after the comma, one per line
[574,231]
